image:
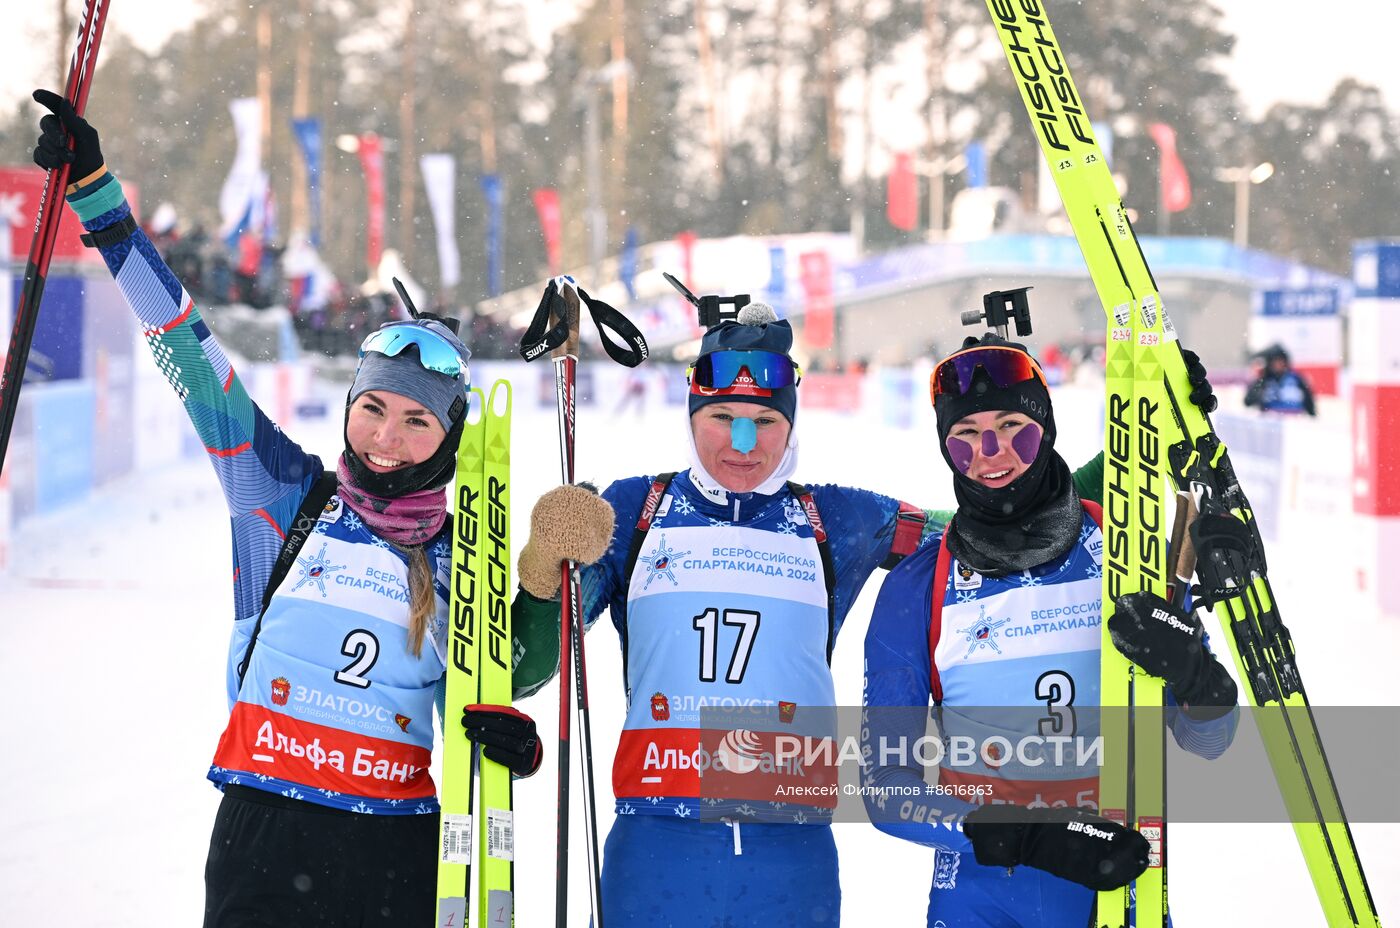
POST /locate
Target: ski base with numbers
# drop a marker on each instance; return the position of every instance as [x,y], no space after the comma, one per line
[1160,421]
[478,671]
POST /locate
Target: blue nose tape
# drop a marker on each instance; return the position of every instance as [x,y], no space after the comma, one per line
[743,435]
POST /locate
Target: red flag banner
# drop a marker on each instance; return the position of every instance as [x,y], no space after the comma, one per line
[372,162]
[547,206]
[902,194]
[821,306]
[1176,185]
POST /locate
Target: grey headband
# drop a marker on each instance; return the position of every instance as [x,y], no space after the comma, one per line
[402,374]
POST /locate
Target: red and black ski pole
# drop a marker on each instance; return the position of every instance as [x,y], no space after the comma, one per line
[555,330]
[90,26]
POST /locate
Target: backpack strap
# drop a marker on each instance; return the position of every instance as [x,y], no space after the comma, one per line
[814,519]
[908,529]
[639,534]
[302,525]
[935,618]
[659,485]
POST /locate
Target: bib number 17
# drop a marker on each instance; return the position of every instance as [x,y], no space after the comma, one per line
[707,624]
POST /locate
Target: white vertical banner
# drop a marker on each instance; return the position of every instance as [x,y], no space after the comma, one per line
[246,183]
[440,181]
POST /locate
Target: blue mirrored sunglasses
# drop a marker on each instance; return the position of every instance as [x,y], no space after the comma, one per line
[435,351]
[769,370]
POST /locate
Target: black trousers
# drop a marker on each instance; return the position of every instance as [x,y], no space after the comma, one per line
[285,863]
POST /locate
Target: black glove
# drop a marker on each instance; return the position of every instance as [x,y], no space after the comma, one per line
[1170,643]
[1072,844]
[506,736]
[1202,393]
[52,150]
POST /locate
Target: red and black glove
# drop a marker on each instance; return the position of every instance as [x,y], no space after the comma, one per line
[506,736]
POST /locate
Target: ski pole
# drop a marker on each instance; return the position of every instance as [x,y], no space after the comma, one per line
[90,25]
[555,328]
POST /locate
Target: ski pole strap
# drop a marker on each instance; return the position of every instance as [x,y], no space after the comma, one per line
[908,529]
[117,232]
[540,337]
[302,525]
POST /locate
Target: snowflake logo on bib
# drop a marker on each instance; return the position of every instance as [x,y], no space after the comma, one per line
[662,562]
[314,570]
[982,632]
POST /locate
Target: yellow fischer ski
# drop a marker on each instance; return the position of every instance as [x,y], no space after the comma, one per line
[1231,568]
[463,680]
[497,844]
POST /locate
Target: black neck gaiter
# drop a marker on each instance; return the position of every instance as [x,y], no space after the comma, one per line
[1032,520]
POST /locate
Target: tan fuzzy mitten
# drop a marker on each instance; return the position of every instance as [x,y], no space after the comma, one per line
[567,523]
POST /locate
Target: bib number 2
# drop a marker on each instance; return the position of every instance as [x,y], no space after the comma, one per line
[364,648]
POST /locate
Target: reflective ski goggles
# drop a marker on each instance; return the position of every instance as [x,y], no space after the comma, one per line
[437,351]
[769,370]
[1005,366]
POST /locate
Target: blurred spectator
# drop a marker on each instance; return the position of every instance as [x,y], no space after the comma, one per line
[1279,388]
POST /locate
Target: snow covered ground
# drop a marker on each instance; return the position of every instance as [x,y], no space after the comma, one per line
[112,643]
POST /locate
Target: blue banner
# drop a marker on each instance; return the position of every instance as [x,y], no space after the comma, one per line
[1376,268]
[627,262]
[308,134]
[493,193]
[777,277]
[976,155]
[1311,301]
